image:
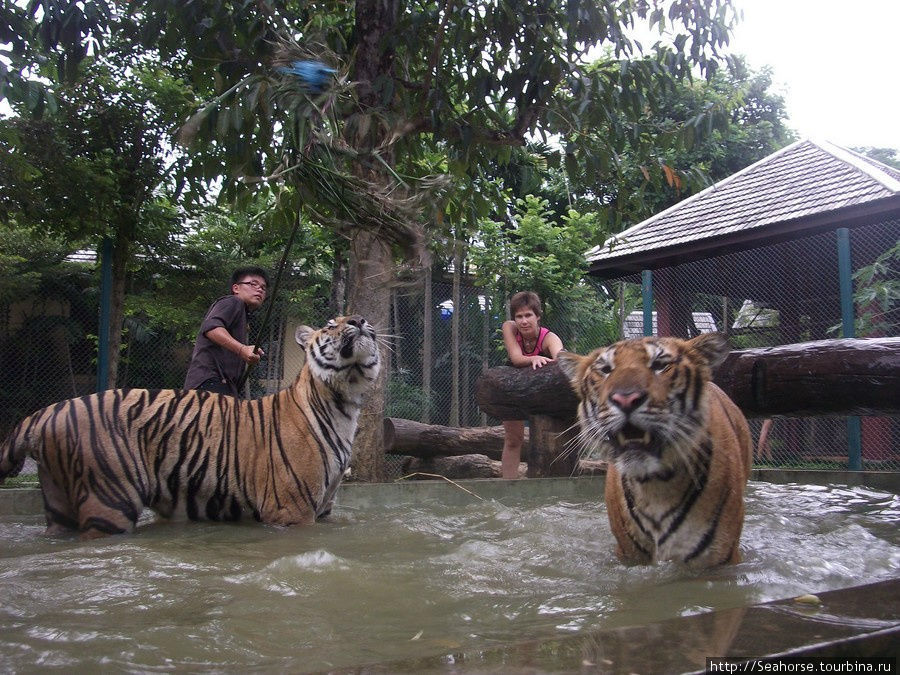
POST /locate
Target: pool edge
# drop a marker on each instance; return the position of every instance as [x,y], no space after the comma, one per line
[856,622]
[27,501]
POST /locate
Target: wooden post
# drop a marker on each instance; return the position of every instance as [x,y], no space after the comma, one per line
[551,452]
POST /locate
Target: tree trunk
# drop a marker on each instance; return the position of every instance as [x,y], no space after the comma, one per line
[454,332]
[456,467]
[338,282]
[371,265]
[406,437]
[826,377]
[485,343]
[396,329]
[509,393]
[551,448]
[120,257]
[371,261]
[427,313]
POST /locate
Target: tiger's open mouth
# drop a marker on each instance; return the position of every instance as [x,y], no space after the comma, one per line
[631,437]
[350,337]
[347,342]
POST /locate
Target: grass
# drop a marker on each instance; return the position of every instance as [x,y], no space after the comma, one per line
[25,480]
[801,465]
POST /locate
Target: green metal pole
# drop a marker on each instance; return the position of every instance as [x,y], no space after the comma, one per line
[848,330]
[647,300]
[105,305]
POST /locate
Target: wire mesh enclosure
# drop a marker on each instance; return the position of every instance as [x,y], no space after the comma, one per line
[785,293]
[444,337]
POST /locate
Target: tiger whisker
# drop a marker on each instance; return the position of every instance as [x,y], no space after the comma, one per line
[683,441]
[385,344]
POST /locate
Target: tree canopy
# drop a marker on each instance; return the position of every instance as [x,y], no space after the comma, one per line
[430,103]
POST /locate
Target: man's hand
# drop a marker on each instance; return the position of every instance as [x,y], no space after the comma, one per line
[248,355]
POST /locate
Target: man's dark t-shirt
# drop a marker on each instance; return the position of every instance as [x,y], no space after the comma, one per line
[209,360]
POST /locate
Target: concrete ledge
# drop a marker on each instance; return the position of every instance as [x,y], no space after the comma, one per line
[889,481]
[461,492]
[21,502]
[28,501]
[855,622]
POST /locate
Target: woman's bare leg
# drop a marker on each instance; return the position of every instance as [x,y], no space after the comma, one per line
[514,435]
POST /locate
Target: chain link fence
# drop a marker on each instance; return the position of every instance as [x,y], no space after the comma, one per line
[781,294]
[446,335]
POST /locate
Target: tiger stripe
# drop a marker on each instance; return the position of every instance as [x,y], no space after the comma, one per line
[202,456]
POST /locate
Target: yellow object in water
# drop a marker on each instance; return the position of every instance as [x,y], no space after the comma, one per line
[808,599]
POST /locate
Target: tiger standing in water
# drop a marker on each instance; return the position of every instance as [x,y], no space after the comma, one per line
[198,455]
[678,448]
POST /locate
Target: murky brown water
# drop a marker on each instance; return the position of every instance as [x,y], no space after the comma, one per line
[397,582]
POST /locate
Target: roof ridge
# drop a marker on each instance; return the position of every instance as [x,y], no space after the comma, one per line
[870,167]
[695,197]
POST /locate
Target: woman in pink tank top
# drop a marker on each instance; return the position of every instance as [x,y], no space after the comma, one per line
[528,344]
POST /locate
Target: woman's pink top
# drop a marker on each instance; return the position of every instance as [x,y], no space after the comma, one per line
[538,345]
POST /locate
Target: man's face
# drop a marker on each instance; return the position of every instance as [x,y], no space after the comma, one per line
[251,289]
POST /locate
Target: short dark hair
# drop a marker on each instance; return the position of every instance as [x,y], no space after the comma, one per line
[250,270]
[524,299]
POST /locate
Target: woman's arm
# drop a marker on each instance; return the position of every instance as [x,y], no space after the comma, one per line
[513,350]
[552,344]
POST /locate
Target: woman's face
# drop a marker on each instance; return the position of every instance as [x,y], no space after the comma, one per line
[526,321]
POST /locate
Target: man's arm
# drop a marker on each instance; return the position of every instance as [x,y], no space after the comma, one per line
[224,339]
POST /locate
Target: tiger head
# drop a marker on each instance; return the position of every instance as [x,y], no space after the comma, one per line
[344,353]
[642,402]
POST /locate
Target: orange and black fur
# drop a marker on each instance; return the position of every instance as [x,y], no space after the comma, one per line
[193,454]
[678,449]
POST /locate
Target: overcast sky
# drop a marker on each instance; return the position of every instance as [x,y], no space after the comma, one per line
[836,62]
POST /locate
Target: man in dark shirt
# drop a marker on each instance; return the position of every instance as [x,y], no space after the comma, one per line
[221,350]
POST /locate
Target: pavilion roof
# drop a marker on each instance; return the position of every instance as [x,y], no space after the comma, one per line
[805,186]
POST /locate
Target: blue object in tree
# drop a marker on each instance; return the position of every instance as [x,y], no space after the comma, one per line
[314,74]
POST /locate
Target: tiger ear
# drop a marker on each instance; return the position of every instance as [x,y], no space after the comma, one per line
[569,363]
[303,335]
[711,347]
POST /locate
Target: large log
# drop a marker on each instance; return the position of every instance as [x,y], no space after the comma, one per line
[509,393]
[406,437]
[457,467]
[826,377]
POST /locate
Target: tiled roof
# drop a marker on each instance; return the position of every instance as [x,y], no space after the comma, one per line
[803,179]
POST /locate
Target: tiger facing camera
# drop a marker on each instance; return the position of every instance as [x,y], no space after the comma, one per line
[678,449]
